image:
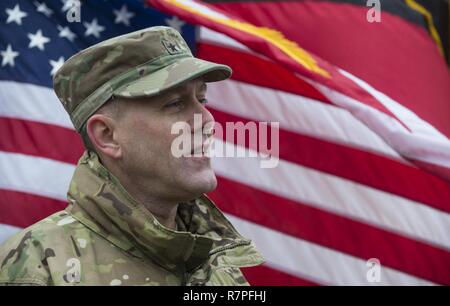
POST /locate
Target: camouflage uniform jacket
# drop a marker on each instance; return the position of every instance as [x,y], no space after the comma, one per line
[104,237]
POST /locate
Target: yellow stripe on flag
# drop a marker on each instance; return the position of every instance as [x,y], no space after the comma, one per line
[429,18]
[272,36]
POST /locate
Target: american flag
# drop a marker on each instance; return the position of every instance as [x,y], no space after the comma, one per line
[360,175]
[38,146]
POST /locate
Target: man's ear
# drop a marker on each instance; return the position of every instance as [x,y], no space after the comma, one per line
[102,132]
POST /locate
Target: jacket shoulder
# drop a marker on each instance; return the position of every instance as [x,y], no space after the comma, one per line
[23,257]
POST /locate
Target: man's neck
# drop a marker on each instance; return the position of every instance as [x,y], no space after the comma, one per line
[164,211]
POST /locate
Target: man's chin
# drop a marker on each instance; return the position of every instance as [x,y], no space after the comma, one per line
[200,182]
[211,186]
[204,182]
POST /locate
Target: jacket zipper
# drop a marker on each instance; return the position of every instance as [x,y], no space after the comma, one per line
[229,247]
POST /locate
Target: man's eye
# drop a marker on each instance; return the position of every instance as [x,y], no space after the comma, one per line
[176,103]
[203,101]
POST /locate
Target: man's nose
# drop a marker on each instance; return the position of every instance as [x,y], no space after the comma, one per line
[204,112]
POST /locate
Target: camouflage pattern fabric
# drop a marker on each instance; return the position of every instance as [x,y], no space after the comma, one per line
[104,237]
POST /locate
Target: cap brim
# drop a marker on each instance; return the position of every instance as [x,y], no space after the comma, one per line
[173,75]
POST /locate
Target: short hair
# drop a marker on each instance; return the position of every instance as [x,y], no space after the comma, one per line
[85,138]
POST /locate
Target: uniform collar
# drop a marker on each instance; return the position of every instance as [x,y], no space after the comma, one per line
[100,202]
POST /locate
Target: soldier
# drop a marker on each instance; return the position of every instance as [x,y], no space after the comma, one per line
[137,215]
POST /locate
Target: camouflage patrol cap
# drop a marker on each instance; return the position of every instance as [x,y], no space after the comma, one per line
[138,64]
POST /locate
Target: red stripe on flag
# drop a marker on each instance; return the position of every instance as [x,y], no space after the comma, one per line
[265,276]
[443,171]
[261,72]
[357,165]
[40,139]
[333,231]
[23,209]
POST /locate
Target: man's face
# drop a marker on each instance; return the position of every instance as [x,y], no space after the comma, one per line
[144,134]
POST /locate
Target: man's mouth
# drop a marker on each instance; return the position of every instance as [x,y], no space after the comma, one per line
[202,150]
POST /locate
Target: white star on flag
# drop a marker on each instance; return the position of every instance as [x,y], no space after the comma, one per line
[93,28]
[175,23]
[38,40]
[8,56]
[123,16]
[15,15]
[43,8]
[68,4]
[56,65]
[66,32]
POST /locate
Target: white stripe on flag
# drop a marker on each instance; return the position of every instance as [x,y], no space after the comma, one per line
[7,231]
[211,36]
[203,9]
[35,175]
[32,102]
